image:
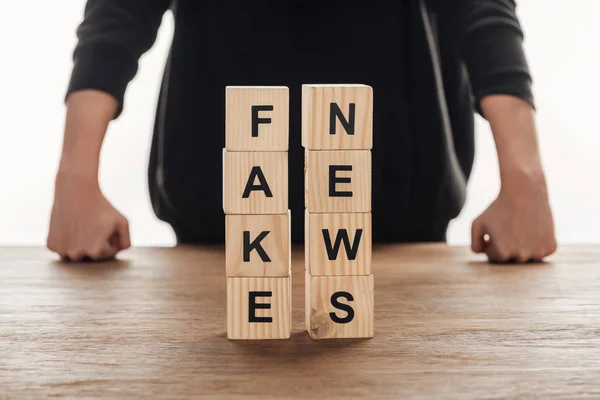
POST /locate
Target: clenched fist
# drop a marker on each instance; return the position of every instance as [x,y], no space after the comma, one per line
[83,224]
[517,226]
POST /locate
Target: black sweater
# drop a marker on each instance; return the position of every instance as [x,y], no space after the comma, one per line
[429,62]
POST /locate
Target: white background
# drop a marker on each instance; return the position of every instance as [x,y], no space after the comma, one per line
[36,42]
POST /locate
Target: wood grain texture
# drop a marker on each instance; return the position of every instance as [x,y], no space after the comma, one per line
[273,135]
[276,245]
[317,181]
[239,326]
[320,322]
[153,325]
[316,117]
[353,256]
[237,171]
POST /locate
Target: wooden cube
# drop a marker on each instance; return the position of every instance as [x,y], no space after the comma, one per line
[336,117]
[338,244]
[338,181]
[259,308]
[257,118]
[339,306]
[258,245]
[255,182]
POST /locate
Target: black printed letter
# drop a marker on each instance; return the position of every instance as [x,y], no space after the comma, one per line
[253,306]
[334,179]
[255,245]
[257,120]
[263,185]
[333,250]
[334,111]
[343,307]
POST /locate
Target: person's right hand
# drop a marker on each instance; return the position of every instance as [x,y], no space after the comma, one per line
[83,224]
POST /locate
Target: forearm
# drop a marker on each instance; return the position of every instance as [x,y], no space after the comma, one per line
[488,38]
[112,37]
[518,225]
[88,114]
[515,134]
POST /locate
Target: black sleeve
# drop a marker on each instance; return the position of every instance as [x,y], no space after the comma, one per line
[112,37]
[489,39]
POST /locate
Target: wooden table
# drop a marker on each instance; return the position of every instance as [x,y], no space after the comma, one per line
[448,325]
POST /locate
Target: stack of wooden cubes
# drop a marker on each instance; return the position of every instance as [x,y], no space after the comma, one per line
[255,201]
[337,134]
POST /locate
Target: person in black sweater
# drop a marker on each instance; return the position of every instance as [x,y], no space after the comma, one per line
[431,63]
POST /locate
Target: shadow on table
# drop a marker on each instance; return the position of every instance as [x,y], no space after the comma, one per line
[510,264]
[96,269]
[299,346]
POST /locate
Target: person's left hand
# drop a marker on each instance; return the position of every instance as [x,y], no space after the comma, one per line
[517,226]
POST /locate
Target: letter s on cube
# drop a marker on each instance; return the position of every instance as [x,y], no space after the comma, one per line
[339,306]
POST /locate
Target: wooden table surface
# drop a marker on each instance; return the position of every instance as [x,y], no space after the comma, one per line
[447,325]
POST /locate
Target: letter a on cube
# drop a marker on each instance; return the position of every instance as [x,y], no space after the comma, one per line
[255,182]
